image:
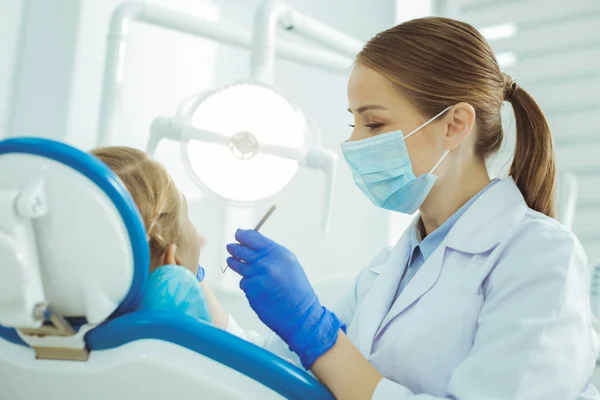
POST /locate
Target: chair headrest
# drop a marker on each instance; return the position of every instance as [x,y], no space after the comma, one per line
[90,244]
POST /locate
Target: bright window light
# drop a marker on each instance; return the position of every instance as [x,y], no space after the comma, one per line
[411,9]
[506,60]
[235,112]
[499,32]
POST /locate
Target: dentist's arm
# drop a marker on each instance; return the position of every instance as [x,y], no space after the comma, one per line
[345,372]
[279,292]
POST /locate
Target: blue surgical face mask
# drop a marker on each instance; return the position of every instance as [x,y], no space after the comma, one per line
[382,170]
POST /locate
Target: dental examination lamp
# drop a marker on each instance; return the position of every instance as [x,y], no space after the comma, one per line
[245,142]
[74,261]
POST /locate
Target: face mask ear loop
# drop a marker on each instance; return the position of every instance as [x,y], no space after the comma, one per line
[427,123]
[439,162]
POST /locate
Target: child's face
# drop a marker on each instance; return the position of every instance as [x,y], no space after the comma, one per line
[191,241]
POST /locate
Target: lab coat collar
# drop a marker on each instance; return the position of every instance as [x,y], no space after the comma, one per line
[489,220]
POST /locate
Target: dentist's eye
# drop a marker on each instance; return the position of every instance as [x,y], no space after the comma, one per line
[374,126]
[351,126]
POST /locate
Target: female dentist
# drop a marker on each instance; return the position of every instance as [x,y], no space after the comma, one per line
[485,296]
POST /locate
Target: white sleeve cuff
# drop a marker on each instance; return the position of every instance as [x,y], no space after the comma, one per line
[234,329]
[269,342]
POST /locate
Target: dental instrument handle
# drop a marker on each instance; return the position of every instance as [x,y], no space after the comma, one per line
[265,218]
[259,225]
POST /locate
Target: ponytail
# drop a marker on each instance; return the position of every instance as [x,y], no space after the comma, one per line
[533,167]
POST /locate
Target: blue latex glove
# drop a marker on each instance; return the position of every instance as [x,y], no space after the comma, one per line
[279,292]
[173,288]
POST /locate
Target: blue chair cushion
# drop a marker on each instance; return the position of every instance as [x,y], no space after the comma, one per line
[238,354]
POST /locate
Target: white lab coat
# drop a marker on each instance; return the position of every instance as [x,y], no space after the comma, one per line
[500,310]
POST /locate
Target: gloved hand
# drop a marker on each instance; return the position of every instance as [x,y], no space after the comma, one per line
[279,292]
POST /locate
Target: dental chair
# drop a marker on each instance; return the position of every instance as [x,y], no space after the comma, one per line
[73,265]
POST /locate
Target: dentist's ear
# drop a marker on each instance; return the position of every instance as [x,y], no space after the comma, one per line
[460,119]
[170,257]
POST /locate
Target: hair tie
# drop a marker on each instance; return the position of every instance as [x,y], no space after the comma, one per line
[510,87]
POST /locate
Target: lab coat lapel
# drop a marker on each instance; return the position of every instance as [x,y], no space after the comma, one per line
[420,284]
[379,299]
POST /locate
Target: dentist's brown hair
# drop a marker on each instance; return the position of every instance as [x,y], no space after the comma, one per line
[438,62]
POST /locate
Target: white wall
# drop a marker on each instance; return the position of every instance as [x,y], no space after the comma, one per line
[411,9]
[11,12]
[162,68]
[42,69]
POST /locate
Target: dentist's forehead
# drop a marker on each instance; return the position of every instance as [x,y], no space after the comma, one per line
[367,87]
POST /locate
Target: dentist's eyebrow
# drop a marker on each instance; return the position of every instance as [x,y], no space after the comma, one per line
[367,107]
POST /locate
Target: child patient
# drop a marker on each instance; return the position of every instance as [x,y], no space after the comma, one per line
[173,240]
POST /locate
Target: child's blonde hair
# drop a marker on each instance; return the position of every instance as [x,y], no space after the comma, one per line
[154,193]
